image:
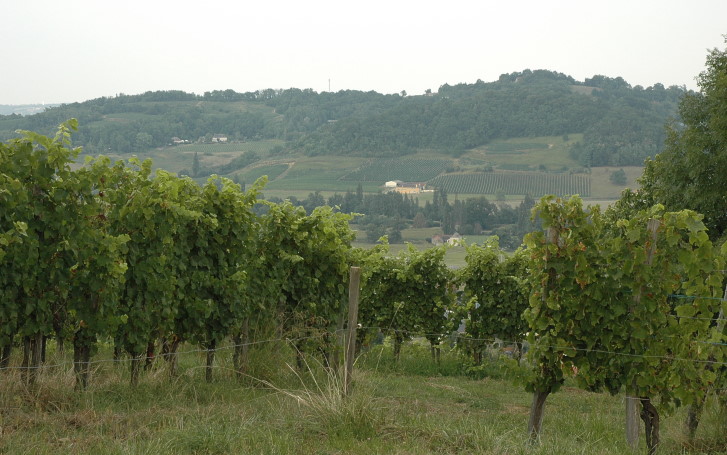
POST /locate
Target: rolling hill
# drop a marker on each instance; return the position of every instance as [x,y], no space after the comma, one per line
[526,133]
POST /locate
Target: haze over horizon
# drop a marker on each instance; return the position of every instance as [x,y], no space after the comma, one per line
[81,49]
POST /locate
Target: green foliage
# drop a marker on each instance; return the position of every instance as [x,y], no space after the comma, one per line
[621,125]
[213,287]
[155,213]
[601,302]
[689,172]
[149,256]
[60,264]
[618,177]
[407,294]
[302,265]
[495,296]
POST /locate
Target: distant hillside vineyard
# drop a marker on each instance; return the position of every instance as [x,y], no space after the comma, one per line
[534,184]
[620,124]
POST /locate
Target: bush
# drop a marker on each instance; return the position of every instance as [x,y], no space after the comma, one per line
[618,177]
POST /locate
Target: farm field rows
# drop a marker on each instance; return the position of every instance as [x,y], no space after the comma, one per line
[342,173]
[272,171]
[521,183]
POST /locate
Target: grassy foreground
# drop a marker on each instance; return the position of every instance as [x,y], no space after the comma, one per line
[413,407]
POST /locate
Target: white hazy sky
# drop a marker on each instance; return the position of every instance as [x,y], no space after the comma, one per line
[56,51]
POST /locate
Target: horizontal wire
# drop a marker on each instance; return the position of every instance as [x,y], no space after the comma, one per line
[442,335]
[162,355]
[555,347]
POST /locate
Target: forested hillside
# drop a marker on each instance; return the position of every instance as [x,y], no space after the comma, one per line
[621,124]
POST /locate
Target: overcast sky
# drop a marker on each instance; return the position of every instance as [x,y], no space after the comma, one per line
[57,51]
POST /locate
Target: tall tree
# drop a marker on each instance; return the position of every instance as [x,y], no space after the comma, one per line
[690,171]
[195,165]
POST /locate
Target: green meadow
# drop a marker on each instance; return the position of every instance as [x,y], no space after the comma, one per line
[413,406]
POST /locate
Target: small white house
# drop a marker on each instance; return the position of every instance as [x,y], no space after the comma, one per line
[451,240]
[455,239]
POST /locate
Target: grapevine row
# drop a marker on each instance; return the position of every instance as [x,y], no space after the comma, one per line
[110,251]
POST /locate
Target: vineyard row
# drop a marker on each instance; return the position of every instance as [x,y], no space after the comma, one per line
[520,183]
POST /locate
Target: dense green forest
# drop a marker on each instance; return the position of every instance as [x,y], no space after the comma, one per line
[621,124]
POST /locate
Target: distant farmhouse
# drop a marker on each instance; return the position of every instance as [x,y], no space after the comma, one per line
[404,187]
[453,240]
[219,138]
[178,141]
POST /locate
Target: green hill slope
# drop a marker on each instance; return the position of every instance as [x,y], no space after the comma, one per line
[620,124]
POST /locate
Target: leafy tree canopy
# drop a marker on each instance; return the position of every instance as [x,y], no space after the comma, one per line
[690,172]
[621,124]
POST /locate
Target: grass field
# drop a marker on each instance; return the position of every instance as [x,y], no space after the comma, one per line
[407,170]
[550,152]
[601,186]
[272,172]
[411,407]
[262,148]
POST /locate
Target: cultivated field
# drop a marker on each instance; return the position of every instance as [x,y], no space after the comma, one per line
[516,167]
[407,170]
[536,184]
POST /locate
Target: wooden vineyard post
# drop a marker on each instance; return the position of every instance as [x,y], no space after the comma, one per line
[353,296]
[632,402]
[242,349]
[632,421]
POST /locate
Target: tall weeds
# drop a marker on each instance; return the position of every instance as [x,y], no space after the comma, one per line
[320,396]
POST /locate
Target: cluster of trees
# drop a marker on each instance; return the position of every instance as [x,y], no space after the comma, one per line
[689,173]
[141,122]
[473,216]
[622,125]
[389,213]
